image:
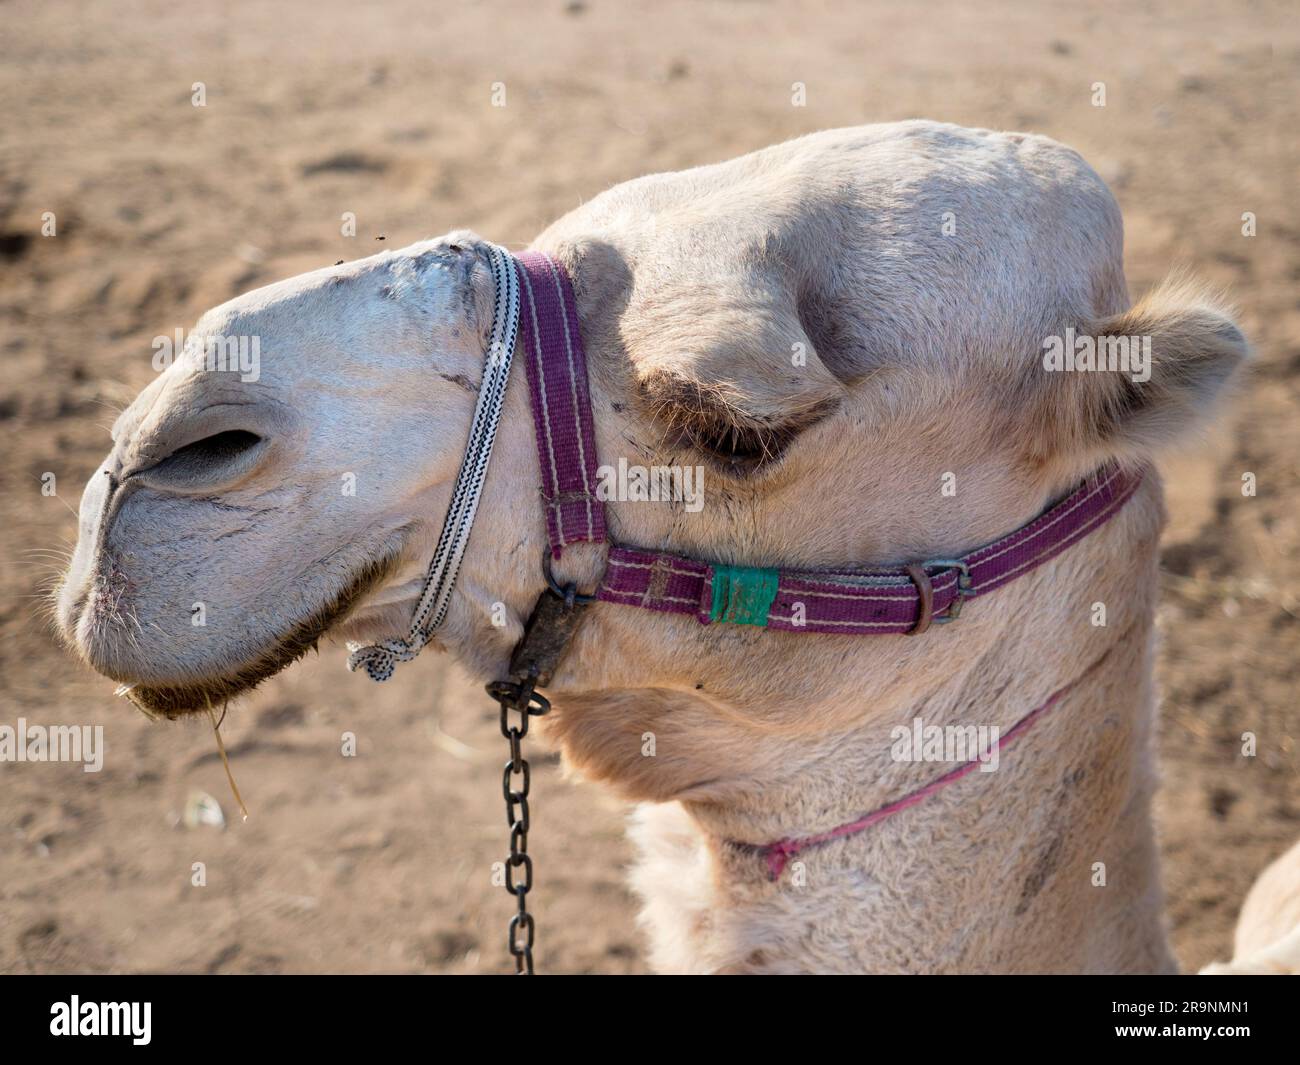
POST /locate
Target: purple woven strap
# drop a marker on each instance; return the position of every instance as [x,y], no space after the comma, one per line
[876,601]
[557,383]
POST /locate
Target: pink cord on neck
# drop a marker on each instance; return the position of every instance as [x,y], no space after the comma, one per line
[778,854]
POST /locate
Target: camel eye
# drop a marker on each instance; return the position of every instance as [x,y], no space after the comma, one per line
[708,419]
[739,446]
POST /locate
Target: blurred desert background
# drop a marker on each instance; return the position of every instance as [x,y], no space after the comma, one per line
[381,862]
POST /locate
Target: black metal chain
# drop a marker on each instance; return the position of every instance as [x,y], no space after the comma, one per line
[519,698]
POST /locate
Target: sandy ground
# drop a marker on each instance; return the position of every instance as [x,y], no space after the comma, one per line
[381,862]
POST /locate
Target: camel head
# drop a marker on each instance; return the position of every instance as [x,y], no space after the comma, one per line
[835,331]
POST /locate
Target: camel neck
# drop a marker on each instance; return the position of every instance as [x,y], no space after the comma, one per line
[1045,861]
[966,748]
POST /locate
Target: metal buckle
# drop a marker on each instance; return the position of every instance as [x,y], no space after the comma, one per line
[569,593]
[963,586]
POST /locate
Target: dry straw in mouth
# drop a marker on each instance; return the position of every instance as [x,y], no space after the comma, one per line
[125,692]
[225,760]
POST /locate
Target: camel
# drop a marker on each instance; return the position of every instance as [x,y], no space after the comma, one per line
[845,334]
[1267,942]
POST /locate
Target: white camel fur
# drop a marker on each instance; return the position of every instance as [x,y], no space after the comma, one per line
[835,328]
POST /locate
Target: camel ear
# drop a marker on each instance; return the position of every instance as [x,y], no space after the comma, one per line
[1131,384]
[726,368]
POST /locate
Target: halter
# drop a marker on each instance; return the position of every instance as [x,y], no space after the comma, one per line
[534,300]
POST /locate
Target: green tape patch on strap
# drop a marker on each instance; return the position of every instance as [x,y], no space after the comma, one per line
[742,595]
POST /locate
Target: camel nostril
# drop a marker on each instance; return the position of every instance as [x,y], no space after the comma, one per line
[208,461]
[219,448]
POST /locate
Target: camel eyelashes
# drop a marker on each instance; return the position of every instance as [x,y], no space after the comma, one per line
[739,447]
[714,421]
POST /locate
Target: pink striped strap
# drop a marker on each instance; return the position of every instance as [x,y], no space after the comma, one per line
[858,602]
[876,601]
[557,384]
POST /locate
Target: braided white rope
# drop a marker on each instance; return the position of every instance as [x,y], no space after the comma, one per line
[380,659]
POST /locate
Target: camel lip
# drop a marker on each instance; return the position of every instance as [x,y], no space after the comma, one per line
[172,702]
